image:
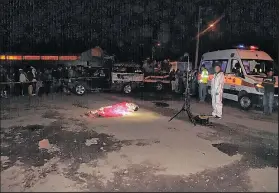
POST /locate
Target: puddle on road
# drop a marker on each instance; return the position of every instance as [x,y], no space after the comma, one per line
[226,148]
[258,156]
[161,104]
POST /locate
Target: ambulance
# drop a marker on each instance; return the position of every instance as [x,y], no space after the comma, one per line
[244,68]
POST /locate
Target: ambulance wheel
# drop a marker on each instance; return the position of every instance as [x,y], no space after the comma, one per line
[159,86]
[245,102]
[79,90]
[127,89]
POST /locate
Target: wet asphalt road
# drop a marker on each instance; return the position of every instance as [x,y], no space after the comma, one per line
[258,151]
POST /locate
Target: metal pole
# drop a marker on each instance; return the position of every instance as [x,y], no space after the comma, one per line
[152,53]
[198,40]
[187,77]
[186,97]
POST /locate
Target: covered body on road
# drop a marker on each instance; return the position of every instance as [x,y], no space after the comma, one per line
[116,110]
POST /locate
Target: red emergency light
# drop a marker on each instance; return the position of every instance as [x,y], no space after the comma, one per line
[243,47]
[49,57]
[253,48]
[31,57]
[68,57]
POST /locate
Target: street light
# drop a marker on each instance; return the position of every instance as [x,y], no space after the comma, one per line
[198,39]
[198,43]
[153,49]
[200,33]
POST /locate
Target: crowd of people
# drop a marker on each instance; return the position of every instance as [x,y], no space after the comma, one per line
[177,77]
[152,66]
[28,80]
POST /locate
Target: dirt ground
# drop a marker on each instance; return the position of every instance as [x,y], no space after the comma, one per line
[48,145]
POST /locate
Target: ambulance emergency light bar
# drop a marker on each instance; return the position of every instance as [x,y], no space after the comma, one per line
[241,46]
[32,57]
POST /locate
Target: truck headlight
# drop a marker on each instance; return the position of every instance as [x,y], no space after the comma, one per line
[259,88]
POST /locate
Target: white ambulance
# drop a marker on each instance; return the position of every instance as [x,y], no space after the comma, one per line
[244,70]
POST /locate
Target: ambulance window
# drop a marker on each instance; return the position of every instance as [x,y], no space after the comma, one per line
[236,68]
[208,65]
[235,65]
[224,64]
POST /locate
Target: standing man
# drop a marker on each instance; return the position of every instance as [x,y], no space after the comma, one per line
[172,79]
[203,84]
[3,80]
[22,80]
[34,80]
[217,84]
[177,76]
[47,78]
[30,78]
[268,98]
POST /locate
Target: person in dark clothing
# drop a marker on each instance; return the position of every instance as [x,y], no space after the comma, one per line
[23,82]
[34,80]
[268,98]
[3,80]
[16,79]
[54,74]
[40,90]
[180,83]
[57,76]
[30,78]
[172,79]
[46,78]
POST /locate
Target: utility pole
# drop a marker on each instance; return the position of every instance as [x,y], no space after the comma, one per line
[152,52]
[198,39]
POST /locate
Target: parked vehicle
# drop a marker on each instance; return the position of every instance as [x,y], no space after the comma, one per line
[126,77]
[160,80]
[120,77]
[244,70]
[88,79]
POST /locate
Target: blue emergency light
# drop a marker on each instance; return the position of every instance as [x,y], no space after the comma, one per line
[241,46]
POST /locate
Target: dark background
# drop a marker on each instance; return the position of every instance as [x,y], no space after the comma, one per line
[129,28]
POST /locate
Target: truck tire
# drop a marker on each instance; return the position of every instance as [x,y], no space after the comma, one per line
[79,89]
[127,89]
[245,102]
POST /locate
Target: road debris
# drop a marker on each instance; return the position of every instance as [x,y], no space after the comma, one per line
[44,144]
[93,141]
[53,148]
[5,161]
[125,172]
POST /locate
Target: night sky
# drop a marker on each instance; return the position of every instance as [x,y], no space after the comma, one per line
[129,28]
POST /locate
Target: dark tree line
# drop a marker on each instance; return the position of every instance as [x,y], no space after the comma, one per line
[130,28]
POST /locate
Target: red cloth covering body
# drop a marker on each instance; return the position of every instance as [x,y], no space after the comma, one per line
[117,110]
